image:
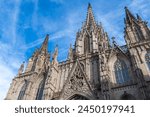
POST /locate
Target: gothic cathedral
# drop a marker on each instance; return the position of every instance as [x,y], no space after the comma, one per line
[94,69]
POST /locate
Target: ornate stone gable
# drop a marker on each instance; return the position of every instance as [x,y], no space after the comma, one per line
[76,83]
[116,50]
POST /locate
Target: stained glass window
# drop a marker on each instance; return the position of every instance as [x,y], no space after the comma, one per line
[23,89]
[121,72]
[40,91]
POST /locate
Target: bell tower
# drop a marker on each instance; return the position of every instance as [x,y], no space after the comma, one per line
[137,36]
[136,30]
[92,37]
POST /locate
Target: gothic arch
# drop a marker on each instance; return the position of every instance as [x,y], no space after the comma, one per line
[40,90]
[79,96]
[145,68]
[36,84]
[23,90]
[18,87]
[87,45]
[111,64]
[121,72]
[127,96]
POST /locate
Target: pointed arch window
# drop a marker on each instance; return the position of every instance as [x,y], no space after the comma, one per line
[121,72]
[23,89]
[40,90]
[147,58]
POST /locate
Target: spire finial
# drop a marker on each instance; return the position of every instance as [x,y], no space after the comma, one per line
[70,53]
[89,5]
[21,69]
[55,52]
[55,55]
[139,18]
[113,40]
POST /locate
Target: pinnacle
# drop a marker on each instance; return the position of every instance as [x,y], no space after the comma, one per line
[138,17]
[129,16]
[125,7]
[90,21]
[44,46]
[89,5]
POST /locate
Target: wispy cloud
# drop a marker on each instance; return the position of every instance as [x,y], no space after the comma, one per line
[8,27]
[141,7]
[61,22]
[37,42]
[57,1]
[10,57]
[9,63]
[113,21]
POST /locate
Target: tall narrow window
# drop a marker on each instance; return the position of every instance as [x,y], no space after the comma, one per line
[121,72]
[40,91]
[147,58]
[23,89]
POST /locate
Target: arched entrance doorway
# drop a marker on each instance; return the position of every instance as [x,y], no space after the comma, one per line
[127,96]
[78,97]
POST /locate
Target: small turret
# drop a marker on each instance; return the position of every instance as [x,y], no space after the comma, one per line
[21,69]
[133,29]
[139,17]
[70,53]
[55,55]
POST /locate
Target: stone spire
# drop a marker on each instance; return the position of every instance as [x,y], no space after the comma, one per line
[44,46]
[129,17]
[135,28]
[39,57]
[90,21]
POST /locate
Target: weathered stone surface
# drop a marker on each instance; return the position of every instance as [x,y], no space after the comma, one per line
[94,68]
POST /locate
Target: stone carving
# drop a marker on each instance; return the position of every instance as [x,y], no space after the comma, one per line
[21,69]
[76,80]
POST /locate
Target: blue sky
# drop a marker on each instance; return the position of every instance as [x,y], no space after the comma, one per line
[24,24]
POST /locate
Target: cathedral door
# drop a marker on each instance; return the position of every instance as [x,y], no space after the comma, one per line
[78,97]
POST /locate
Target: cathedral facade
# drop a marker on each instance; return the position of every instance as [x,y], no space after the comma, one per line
[94,69]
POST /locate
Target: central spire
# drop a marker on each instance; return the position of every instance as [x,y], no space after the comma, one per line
[90,21]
